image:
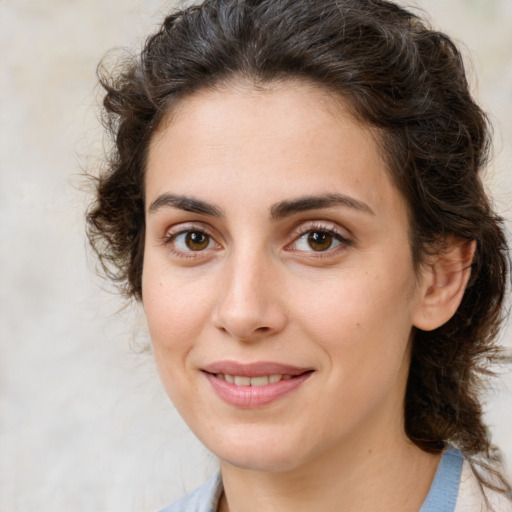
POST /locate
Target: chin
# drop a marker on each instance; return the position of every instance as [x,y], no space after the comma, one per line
[259,451]
[261,460]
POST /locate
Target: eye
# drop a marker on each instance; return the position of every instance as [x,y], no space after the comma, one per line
[192,240]
[317,241]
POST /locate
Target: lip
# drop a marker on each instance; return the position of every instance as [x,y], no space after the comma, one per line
[248,397]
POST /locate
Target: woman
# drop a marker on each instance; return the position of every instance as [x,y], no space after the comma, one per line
[294,197]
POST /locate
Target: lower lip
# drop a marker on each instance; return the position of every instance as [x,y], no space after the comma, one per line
[254,396]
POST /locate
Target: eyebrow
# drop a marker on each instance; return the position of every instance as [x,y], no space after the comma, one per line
[301,204]
[278,210]
[188,204]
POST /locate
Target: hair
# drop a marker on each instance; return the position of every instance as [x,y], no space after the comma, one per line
[397,75]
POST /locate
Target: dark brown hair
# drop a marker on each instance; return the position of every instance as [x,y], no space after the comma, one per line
[398,75]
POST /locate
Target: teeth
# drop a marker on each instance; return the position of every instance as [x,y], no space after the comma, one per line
[242,381]
[259,381]
[252,381]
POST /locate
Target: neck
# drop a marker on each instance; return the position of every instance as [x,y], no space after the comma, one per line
[391,474]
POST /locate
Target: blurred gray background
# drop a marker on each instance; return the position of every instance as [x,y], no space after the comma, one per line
[84,424]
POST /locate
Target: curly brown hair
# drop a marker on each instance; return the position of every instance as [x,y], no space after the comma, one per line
[397,74]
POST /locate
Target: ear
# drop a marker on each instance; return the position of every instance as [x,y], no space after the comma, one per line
[443,283]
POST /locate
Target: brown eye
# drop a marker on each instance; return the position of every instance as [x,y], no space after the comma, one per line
[196,240]
[320,240]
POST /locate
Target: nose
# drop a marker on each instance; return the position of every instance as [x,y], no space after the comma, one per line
[250,306]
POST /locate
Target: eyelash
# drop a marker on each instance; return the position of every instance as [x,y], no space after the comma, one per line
[169,240]
[305,229]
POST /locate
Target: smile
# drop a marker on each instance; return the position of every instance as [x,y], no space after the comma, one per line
[254,385]
[241,380]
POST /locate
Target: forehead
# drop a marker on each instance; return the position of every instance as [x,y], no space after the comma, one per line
[287,139]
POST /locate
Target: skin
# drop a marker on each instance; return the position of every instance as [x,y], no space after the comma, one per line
[258,291]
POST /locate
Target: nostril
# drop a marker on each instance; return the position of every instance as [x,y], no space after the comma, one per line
[248,320]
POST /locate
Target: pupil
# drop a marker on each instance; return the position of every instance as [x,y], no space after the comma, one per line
[196,241]
[319,241]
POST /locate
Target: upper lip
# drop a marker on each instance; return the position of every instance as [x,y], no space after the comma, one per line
[257,369]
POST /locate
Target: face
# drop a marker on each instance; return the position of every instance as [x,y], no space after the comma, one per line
[278,283]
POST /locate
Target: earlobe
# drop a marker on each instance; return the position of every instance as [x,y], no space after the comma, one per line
[443,284]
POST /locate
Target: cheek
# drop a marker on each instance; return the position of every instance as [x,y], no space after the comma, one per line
[175,308]
[360,320]
[173,313]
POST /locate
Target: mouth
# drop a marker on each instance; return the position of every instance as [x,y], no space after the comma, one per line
[254,385]
[242,380]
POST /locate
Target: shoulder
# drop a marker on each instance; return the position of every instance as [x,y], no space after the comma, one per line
[455,488]
[204,499]
[471,496]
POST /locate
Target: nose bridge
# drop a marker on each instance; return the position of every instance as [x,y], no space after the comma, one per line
[249,306]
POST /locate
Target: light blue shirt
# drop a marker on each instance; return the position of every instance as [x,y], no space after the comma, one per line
[444,490]
[442,496]
[203,499]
